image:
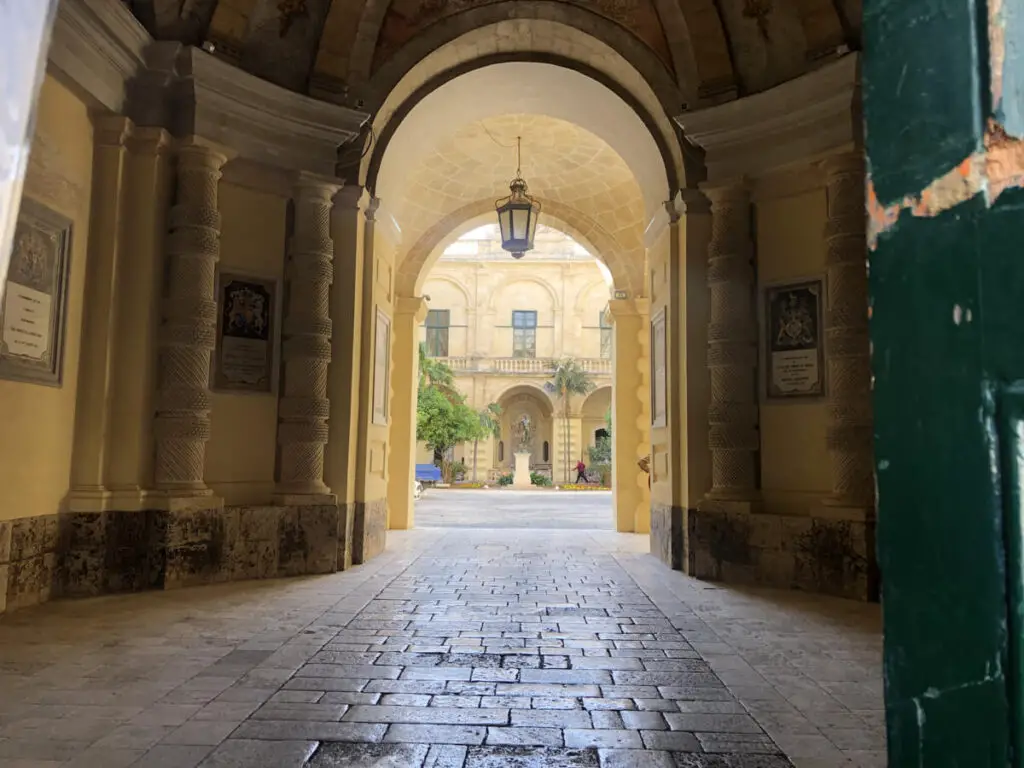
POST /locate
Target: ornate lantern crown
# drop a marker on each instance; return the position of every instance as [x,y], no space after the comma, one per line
[518,213]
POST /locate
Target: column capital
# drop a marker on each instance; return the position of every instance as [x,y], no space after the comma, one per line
[150,141]
[371,208]
[351,196]
[691,201]
[196,150]
[638,307]
[735,189]
[318,184]
[844,164]
[112,130]
[412,305]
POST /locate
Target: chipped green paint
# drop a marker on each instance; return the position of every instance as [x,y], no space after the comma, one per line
[942,92]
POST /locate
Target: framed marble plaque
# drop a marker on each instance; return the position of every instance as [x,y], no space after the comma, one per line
[381,358]
[33,315]
[243,360]
[793,340]
[659,385]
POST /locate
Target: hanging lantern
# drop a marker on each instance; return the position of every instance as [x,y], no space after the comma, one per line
[518,213]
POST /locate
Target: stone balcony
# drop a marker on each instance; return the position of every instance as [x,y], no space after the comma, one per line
[522,366]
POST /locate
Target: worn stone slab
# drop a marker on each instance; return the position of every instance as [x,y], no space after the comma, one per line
[341,755]
[440,715]
[530,757]
[436,734]
[241,753]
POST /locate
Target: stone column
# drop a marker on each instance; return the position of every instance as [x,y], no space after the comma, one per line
[410,312]
[188,330]
[631,413]
[732,348]
[306,350]
[849,361]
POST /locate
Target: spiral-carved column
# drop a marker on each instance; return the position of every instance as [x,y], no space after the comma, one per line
[849,360]
[732,348]
[304,407]
[188,330]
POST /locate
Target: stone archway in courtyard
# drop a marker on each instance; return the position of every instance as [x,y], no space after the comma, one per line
[533,403]
[582,180]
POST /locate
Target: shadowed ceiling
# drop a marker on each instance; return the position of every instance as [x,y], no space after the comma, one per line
[713,50]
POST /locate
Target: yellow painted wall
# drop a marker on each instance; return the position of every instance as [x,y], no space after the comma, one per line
[240,455]
[666,458]
[378,295]
[794,458]
[37,422]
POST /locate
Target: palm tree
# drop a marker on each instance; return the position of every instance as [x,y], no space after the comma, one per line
[490,424]
[568,378]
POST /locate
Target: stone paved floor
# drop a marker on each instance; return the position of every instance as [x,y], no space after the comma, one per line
[474,648]
[587,510]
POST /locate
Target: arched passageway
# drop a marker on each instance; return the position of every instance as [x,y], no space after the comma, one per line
[232,214]
[467,157]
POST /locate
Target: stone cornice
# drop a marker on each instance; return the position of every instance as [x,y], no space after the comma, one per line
[97,48]
[102,52]
[263,121]
[795,122]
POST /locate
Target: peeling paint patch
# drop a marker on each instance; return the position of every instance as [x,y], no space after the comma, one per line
[997,49]
[998,167]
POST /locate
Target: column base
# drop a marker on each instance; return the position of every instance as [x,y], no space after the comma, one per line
[668,534]
[176,542]
[304,499]
[369,530]
[830,550]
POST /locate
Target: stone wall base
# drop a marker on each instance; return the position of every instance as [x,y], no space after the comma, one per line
[817,553]
[80,554]
[668,528]
[370,530]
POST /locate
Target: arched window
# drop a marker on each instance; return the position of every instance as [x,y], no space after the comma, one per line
[598,434]
[546,451]
[501,450]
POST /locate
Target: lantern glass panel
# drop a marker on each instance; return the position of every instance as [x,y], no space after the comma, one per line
[504,222]
[534,217]
[520,220]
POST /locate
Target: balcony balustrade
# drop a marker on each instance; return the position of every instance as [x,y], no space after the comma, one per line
[521,366]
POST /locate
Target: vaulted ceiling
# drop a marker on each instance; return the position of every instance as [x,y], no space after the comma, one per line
[351,50]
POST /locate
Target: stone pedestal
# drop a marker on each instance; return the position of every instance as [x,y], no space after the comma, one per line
[521,477]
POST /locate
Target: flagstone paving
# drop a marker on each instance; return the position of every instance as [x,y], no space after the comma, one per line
[454,649]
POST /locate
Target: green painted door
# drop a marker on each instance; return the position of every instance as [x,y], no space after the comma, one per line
[943,105]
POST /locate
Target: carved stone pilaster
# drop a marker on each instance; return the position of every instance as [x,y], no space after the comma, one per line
[732,348]
[849,360]
[188,330]
[304,408]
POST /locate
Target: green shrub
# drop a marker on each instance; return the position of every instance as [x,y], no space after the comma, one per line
[605,472]
[540,479]
[601,453]
[505,479]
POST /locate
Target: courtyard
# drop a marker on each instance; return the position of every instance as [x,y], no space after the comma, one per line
[507,508]
[475,641]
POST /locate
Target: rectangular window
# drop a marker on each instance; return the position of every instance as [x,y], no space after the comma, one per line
[524,333]
[438,322]
[606,334]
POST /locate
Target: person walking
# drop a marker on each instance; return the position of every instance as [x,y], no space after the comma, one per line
[581,472]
